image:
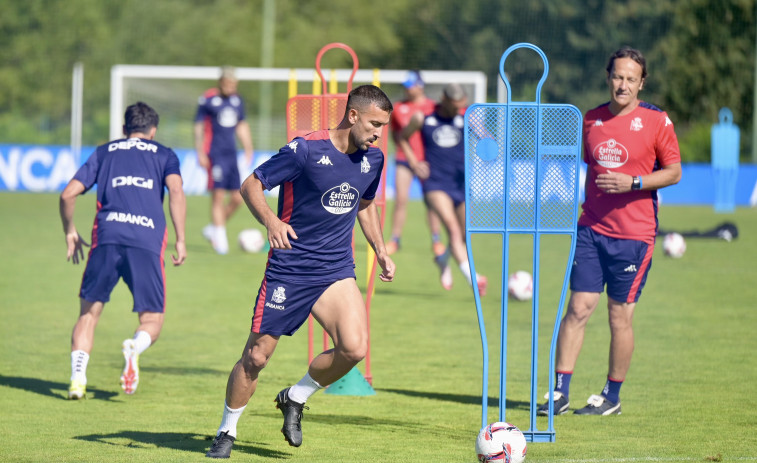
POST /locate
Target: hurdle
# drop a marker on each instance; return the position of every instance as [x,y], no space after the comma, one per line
[521,178]
[324,109]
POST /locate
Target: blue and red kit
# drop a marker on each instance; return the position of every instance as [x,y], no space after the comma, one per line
[220,116]
[319,197]
[129,234]
[443,141]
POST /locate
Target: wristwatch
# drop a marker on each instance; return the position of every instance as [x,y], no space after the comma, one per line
[636,185]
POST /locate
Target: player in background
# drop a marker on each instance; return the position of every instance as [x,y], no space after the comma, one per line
[129,238]
[415,100]
[442,173]
[327,179]
[219,121]
[631,151]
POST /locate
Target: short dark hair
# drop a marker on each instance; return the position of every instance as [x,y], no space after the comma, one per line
[365,95]
[140,118]
[628,52]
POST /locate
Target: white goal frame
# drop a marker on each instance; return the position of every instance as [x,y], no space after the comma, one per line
[121,72]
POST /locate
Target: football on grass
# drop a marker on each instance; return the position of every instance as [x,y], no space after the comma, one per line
[674,245]
[251,240]
[520,285]
[502,443]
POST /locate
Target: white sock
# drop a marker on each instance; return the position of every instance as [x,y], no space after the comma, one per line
[142,341]
[229,420]
[466,270]
[79,360]
[302,391]
[220,240]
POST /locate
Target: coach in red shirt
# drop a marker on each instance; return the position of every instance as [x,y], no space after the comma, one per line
[631,151]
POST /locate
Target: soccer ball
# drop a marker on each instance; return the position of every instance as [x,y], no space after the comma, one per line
[251,240]
[501,442]
[674,245]
[520,285]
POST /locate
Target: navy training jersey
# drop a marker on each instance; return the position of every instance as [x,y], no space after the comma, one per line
[221,115]
[130,177]
[319,197]
[445,154]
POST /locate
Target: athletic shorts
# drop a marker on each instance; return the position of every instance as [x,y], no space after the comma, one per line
[282,307]
[451,183]
[142,271]
[620,264]
[224,173]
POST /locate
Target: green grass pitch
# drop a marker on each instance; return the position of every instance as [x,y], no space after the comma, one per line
[690,394]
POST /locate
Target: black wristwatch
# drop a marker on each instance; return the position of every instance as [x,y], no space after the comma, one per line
[636,185]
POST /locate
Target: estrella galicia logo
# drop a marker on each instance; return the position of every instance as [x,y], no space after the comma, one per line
[610,154]
[341,199]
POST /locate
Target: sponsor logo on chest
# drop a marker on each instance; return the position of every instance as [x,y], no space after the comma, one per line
[340,199]
[610,154]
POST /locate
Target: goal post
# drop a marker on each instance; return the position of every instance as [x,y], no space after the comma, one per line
[182,85]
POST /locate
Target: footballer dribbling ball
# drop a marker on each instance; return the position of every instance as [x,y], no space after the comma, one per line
[520,285]
[251,240]
[674,245]
[501,442]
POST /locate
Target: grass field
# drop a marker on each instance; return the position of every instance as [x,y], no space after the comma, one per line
[690,394]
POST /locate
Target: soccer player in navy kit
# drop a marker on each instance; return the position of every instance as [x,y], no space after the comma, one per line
[219,120]
[327,179]
[442,173]
[129,238]
[631,150]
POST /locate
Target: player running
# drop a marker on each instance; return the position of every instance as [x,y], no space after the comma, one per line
[442,174]
[129,238]
[327,179]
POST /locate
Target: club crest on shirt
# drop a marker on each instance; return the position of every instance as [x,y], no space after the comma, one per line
[340,199]
[636,124]
[365,166]
[610,154]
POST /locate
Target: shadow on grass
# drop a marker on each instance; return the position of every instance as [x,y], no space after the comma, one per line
[188,442]
[53,389]
[184,371]
[458,398]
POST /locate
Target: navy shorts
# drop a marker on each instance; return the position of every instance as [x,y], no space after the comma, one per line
[282,306]
[454,190]
[142,271]
[620,264]
[224,172]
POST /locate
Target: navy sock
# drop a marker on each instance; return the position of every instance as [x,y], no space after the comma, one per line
[562,382]
[612,390]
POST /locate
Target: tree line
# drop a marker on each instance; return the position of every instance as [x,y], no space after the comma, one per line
[701,53]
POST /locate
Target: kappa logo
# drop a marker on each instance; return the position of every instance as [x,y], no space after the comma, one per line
[630,268]
[636,124]
[668,121]
[325,161]
[279,295]
[598,123]
[293,146]
[365,166]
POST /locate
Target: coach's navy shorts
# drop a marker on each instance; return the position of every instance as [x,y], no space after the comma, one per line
[224,172]
[282,306]
[620,264]
[142,271]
